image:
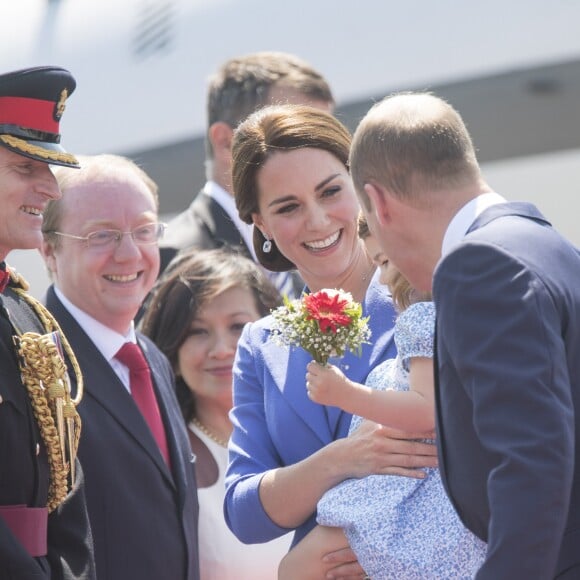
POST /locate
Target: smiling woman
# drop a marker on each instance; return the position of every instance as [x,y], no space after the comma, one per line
[291,180]
[196,317]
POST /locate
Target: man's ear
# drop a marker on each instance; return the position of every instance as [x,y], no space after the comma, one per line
[220,135]
[47,252]
[380,201]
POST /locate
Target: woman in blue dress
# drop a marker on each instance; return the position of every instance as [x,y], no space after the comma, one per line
[291,180]
[399,528]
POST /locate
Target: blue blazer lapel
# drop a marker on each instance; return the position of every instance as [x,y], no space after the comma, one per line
[287,367]
[288,372]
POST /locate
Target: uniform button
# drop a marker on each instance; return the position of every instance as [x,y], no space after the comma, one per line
[37,449]
[1,399]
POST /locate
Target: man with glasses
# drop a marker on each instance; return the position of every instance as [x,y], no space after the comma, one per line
[101,249]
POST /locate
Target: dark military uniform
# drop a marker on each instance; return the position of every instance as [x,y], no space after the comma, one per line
[24,469]
[44,527]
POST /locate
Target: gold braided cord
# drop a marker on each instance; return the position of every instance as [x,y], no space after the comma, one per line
[50,325]
[26,147]
[44,373]
[45,376]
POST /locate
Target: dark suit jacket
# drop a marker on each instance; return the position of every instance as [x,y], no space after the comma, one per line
[205,225]
[143,517]
[508,392]
[24,470]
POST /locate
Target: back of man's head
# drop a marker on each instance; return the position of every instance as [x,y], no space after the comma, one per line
[246,83]
[411,143]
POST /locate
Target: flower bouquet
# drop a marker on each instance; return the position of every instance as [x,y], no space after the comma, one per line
[325,323]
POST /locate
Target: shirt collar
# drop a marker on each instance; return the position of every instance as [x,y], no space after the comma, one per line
[107,341]
[463,219]
[4,276]
[228,203]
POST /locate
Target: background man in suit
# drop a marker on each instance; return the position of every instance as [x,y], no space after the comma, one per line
[44,529]
[507,294]
[101,247]
[238,88]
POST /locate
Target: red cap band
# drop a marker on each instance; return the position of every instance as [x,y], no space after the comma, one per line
[29,113]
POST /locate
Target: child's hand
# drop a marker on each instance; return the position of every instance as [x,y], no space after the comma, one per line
[326,385]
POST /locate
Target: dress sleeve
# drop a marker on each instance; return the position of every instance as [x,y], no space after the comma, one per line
[251,450]
[414,332]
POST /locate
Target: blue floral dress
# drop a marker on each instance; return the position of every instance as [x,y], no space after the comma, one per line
[402,528]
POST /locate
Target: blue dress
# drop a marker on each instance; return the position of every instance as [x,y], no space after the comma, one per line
[403,528]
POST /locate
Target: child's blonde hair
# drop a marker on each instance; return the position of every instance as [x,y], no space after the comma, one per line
[402,292]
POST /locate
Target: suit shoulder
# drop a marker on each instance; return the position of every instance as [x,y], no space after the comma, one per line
[151,350]
[189,228]
[256,334]
[378,299]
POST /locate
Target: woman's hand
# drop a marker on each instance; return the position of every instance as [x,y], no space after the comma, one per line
[371,449]
[380,450]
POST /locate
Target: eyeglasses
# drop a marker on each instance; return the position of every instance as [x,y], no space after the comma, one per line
[144,235]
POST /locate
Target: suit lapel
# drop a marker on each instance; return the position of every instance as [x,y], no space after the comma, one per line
[288,368]
[439,423]
[521,209]
[103,385]
[219,223]
[288,371]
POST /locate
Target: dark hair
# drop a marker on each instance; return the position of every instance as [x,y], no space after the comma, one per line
[242,85]
[270,130]
[190,282]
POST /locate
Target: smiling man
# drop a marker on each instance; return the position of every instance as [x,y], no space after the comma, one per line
[101,248]
[44,532]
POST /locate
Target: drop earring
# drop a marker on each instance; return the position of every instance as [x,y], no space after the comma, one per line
[267,246]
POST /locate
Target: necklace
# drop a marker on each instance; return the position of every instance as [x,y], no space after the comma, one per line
[206,431]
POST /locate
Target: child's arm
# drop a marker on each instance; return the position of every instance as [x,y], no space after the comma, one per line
[412,410]
[323,553]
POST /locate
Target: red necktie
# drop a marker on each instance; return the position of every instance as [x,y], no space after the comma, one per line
[143,394]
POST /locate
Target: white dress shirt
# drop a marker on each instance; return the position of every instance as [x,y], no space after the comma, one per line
[465,217]
[107,341]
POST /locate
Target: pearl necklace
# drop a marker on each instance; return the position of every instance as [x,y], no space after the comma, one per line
[206,431]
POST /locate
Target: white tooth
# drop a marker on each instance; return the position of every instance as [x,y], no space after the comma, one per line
[31,210]
[128,278]
[321,244]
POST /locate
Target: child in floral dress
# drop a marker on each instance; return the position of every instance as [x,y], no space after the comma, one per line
[399,527]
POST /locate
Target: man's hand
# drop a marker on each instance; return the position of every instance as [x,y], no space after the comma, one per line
[344,564]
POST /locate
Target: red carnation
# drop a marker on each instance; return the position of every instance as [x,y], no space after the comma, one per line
[328,311]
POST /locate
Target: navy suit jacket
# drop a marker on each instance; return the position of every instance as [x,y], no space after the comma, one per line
[508,391]
[143,516]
